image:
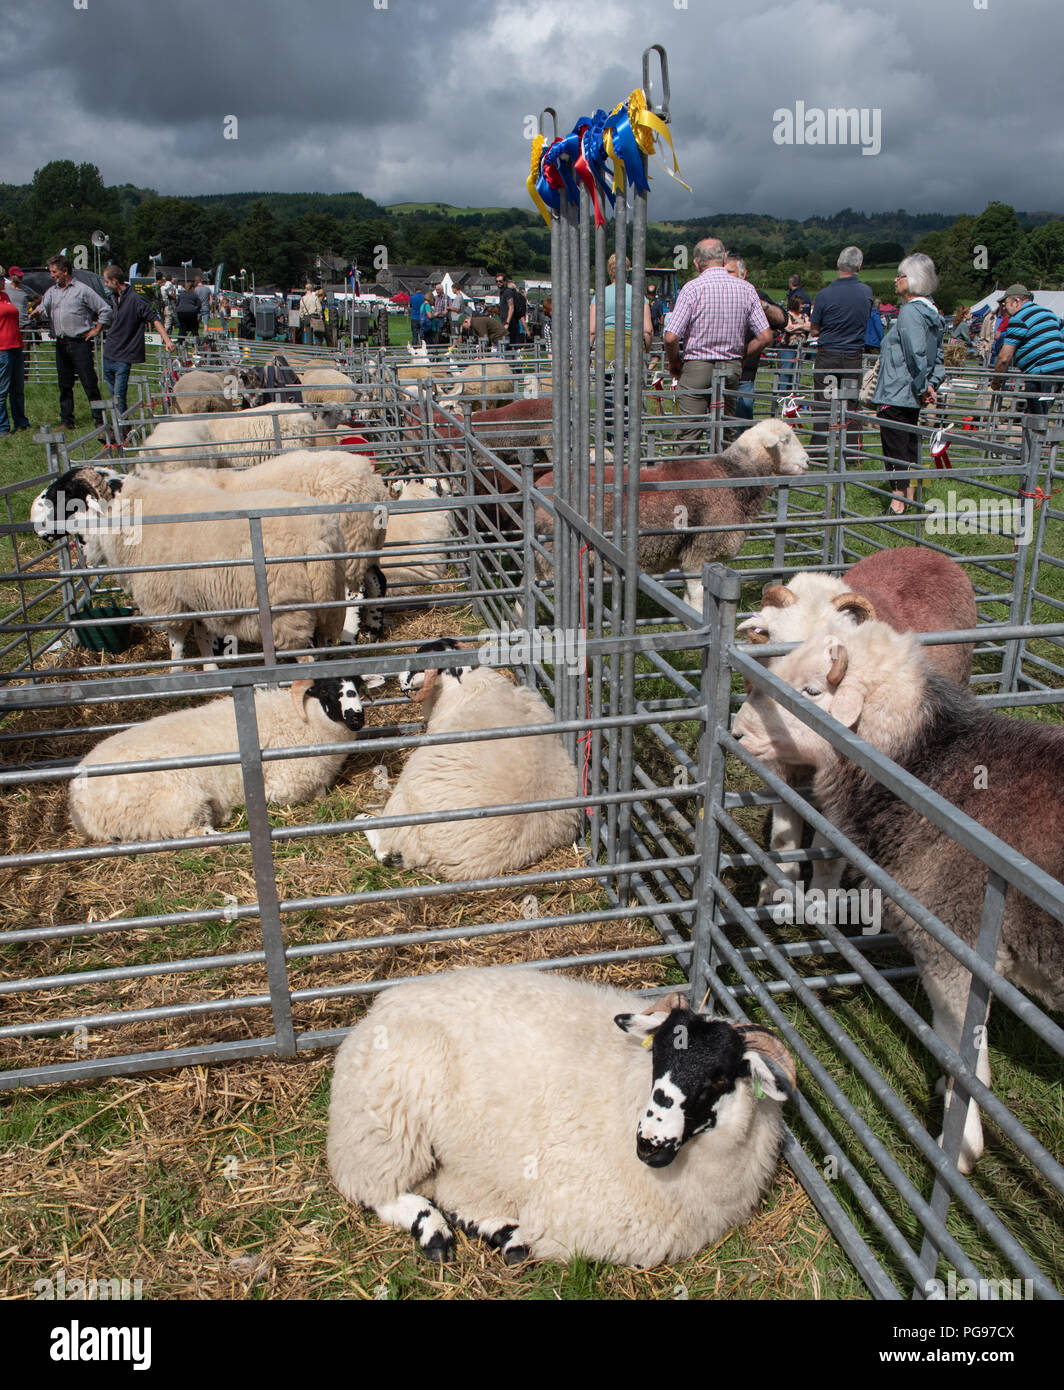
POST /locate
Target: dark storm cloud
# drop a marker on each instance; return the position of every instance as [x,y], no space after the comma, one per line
[428,101]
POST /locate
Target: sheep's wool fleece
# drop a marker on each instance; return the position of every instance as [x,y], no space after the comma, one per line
[494,773]
[163,805]
[513,1095]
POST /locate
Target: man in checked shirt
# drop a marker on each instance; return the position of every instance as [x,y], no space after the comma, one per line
[716,322]
[77,315]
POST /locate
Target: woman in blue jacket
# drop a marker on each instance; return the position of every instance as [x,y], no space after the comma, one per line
[910,368]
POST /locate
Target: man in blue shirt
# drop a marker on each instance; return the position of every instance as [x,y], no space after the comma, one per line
[1034,345]
[840,312]
[417,306]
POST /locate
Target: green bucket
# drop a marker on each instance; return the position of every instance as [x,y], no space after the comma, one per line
[102,637]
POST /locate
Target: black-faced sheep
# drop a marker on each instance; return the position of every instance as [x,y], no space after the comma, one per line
[510,1099]
[106,508]
[166,804]
[492,773]
[1004,773]
[912,589]
[768,448]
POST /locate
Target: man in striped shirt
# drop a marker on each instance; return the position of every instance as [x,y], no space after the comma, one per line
[1034,345]
[717,320]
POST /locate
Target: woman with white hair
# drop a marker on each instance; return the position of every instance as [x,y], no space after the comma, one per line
[910,368]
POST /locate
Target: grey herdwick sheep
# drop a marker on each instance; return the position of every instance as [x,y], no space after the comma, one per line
[876,682]
[911,588]
[768,448]
[167,804]
[508,1103]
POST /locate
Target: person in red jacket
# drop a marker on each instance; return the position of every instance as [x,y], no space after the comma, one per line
[12,367]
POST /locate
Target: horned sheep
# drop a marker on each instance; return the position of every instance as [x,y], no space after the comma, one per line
[912,589]
[769,448]
[876,682]
[509,1099]
[451,777]
[169,803]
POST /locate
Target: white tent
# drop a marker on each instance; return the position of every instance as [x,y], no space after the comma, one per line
[1050,299]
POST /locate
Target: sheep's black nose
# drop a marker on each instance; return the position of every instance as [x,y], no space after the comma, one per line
[355,719]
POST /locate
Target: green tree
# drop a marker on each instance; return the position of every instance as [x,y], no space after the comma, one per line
[258,240]
[495,251]
[1045,248]
[998,229]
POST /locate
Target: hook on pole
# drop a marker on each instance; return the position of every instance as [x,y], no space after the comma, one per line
[661,110]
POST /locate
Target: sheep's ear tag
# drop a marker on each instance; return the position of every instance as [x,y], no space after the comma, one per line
[758,1092]
[648,1041]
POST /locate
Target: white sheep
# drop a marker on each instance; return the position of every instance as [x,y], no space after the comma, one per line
[435,528]
[242,439]
[480,382]
[509,1098]
[106,510]
[198,391]
[332,475]
[166,804]
[328,386]
[490,773]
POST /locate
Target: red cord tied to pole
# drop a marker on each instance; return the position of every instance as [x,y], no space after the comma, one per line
[940,447]
[790,408]
[1039,496]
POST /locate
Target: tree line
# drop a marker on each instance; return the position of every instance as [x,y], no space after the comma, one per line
[277,235]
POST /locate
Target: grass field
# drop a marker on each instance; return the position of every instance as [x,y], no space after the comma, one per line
[211,1182]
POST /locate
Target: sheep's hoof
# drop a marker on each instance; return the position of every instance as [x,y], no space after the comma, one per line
[390,861]
[439,1248]
[515,1254]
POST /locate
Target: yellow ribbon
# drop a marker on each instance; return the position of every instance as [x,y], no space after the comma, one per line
[530,183]
[644,127]
[618,163]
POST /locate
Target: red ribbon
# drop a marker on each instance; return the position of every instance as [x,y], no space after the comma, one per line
[582,170]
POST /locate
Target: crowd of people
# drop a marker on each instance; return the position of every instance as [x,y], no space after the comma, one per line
[721,324]
[437,316]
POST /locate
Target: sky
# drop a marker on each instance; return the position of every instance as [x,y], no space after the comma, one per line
[428,100]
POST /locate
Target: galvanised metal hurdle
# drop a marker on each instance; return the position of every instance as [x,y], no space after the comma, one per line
[652,733]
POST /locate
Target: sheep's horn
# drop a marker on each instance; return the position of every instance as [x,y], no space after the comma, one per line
[752,630]
[759,1039]
[421,695]
[778,596]
[838,665]
[676,1000]
[299,697]
[860,608]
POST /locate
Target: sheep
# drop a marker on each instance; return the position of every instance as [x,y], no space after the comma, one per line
[769,447]
[406,528]
[506,1098]
[1004,773]
[333,476]
[198,391]
[492,773]
[241,439]
[481,382]
[163,805]
[912,589]
[328,386]
[111,502]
